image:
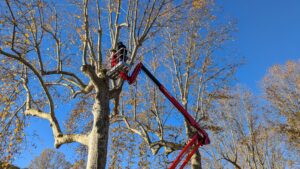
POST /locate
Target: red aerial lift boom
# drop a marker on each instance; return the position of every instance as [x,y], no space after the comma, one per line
[199,139]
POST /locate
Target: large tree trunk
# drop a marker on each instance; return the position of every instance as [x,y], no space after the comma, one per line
[98,137]
[196,158]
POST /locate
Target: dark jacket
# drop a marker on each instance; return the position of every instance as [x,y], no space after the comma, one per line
[123,51]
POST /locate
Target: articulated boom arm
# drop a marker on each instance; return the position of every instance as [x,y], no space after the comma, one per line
[199,139]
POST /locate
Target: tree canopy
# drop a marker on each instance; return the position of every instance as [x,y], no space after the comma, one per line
[54,59]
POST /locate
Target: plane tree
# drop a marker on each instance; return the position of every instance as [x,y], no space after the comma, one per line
[282,91]
[189,64]
[56,53]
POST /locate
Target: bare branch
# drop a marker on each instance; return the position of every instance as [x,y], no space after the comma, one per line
[89,71]
[99,35]
[61,84]
[70,138]
[61,72]
[86,28]
[87,89]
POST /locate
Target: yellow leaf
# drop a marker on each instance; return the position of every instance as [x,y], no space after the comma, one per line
[27,41]
[19,139]
[198,3]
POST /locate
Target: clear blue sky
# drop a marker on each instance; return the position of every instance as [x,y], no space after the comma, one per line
[268,34]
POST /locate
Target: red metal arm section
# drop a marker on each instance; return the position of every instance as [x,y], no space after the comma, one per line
[134,74]
[197,140]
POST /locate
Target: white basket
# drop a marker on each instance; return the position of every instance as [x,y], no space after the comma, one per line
[121,66]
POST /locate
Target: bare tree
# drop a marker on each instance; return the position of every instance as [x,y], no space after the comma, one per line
[282,89]
[50,159]
[246,140]
[59,51]
[188,64]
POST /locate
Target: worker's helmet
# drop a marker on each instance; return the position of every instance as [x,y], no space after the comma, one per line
[120,43]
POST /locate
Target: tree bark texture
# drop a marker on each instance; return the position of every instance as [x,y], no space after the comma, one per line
[98,138]
[196,158]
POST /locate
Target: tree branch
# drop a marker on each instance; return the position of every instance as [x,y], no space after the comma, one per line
[87,89]
[170,146]
[60,72]
[70,138]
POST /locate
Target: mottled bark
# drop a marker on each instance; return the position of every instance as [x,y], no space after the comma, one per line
[196,158]
[98,137]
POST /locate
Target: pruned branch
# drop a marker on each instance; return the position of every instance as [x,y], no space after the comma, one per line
[87,89]
[70,138]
